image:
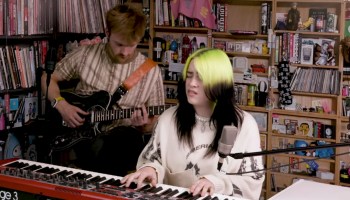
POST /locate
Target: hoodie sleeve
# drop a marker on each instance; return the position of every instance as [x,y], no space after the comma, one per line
[151,156]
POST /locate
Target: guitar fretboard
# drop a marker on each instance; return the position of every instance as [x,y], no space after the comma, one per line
[108,115]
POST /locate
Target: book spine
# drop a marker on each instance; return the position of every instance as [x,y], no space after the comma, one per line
[222,14]
[17,51]
[2,17]
[264,18]
[166,12]
[25,15]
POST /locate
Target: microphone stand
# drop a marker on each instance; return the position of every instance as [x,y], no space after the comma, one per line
[276,151]
[50,64]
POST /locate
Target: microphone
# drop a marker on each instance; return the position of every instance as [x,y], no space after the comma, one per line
[227,139]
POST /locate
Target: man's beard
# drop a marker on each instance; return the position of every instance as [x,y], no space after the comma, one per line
[117,58]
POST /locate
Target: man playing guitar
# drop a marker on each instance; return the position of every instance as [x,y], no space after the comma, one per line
[104,67]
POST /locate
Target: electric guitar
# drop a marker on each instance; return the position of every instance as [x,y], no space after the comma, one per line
[99,107]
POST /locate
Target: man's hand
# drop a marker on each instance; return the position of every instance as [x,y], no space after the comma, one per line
[72,115]
[139,117]
[145,174]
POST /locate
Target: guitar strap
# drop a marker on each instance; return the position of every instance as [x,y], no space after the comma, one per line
[133,79]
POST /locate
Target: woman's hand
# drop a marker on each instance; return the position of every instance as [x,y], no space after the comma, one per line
[203,186]
[145,174]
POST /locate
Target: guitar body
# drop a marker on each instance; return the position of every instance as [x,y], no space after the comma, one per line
[99,107]
[67,137]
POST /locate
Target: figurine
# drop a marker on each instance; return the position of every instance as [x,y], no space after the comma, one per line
[293,18]
[265,50]
[307,24]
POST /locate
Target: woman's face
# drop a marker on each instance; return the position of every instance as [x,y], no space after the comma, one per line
[194,88]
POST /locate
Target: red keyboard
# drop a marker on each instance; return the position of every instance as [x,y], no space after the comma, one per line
[47,180]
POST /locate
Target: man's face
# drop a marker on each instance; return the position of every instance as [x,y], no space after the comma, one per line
[121,51]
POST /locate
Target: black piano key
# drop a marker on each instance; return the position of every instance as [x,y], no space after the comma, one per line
[97,179]
[195,197]
[81,176]
[133,185]
[17,165]
[145,188]
[32,167]
[64,173]
[113,182]
[172,193]
[184,195]
[207,198]
[48,170]
[155,189]
[165,192]
[216,198]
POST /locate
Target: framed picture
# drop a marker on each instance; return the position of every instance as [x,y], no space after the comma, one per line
[307,54]
[238,46]
[240,64]
[219,44]
[230,46]
[246,47]
[261,120]
[291,126]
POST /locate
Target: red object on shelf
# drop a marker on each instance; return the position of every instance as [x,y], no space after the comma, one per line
[185,48]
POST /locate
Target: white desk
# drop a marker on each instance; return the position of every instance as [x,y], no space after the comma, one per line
[309,190]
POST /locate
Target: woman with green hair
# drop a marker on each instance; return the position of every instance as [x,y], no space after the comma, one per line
[183,150]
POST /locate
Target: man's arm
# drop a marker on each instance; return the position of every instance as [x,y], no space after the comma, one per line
[70,114]
[54,90]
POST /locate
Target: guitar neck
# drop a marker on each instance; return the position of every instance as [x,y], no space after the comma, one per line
[108,115]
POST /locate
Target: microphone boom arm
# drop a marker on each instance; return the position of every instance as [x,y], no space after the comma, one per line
[276,151]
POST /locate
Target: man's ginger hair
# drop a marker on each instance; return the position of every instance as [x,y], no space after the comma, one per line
[127,20]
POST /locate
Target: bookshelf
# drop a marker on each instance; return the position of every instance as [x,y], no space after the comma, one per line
[63,28]
[304,94]
[306,97]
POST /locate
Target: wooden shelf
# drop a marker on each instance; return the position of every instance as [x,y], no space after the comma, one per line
[310,94]
[19,90]
[243,37]
[180,29]
[306,157]
[248,55]
[280,135]
[303,176]
[253,108]
[305,114]
[170,82]
[314,66]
